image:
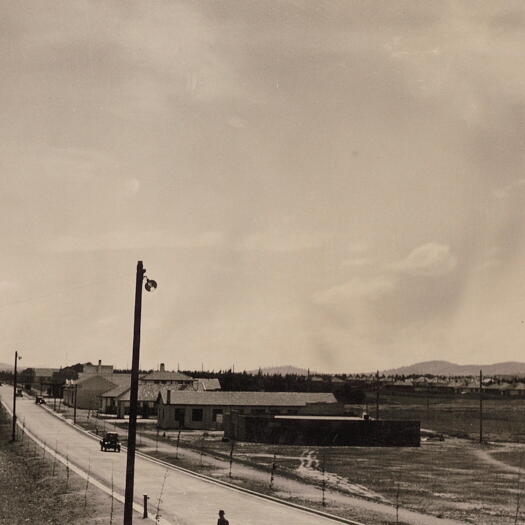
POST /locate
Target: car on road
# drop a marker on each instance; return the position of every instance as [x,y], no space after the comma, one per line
[39,400]
[110,441]
[19,392]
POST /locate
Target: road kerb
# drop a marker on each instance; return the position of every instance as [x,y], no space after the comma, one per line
[137,507]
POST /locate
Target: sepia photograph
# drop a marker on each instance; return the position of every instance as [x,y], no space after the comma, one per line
[261,262]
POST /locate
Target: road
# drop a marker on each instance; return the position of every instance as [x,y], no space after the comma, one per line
[186,500]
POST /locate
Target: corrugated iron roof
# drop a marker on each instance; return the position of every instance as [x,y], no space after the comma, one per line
[186,397]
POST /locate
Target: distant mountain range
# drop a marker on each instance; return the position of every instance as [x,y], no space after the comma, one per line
[445,368]
[283,370]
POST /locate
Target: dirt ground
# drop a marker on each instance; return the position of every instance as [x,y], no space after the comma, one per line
[454,479]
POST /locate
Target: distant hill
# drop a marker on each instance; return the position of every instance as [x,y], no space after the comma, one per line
[5,366]
[445,368]
[283,370]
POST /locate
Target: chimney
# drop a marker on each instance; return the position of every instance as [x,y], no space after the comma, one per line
[168,397]
[99,367]
[162,368]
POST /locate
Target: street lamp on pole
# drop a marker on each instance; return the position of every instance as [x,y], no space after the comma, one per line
[17,357]
[150,285]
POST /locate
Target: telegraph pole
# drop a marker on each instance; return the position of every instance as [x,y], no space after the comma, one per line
[480,406]
[13,436]
[75,406]
[377,395]
[132,426]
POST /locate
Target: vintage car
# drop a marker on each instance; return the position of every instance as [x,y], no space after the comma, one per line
[39,400]
[19,393]
[110,441]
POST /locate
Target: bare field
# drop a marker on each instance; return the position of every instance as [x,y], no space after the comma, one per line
[450,479]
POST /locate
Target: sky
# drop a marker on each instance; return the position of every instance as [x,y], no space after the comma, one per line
[336,185]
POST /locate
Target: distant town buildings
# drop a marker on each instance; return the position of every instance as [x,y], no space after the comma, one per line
[116,401]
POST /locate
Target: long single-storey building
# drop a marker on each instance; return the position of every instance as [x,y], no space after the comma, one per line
[322,430]
[205,409]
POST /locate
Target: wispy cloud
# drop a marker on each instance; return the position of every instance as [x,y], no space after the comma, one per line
[357,262]
[431,259]
[505,191]
[360,289]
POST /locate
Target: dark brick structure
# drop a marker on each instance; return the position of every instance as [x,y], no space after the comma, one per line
[323,431]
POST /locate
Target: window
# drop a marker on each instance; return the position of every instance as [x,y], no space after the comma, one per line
[215,413]
[196,414]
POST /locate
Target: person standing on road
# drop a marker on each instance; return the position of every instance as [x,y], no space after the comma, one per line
[222,520]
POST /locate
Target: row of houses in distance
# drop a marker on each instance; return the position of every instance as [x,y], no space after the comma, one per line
[493,386]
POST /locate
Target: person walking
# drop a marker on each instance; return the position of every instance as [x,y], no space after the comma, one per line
[222,520]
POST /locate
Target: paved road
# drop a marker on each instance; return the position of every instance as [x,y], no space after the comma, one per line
[186,500]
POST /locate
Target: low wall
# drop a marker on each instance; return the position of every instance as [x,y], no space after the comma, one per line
[322,432]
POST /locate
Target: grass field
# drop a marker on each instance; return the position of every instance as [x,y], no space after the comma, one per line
[503,419]
[36,490]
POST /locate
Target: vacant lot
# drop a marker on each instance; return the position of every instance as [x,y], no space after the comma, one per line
[503,419]
[448,479]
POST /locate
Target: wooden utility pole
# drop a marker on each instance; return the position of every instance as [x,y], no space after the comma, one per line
[132,426]
[75,406]
[480,406]
[13,436]
[377,395]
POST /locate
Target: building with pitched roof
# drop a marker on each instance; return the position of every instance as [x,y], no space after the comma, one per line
[205,410]
[165,377]
[93,382]
[116,401]
[85,392]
